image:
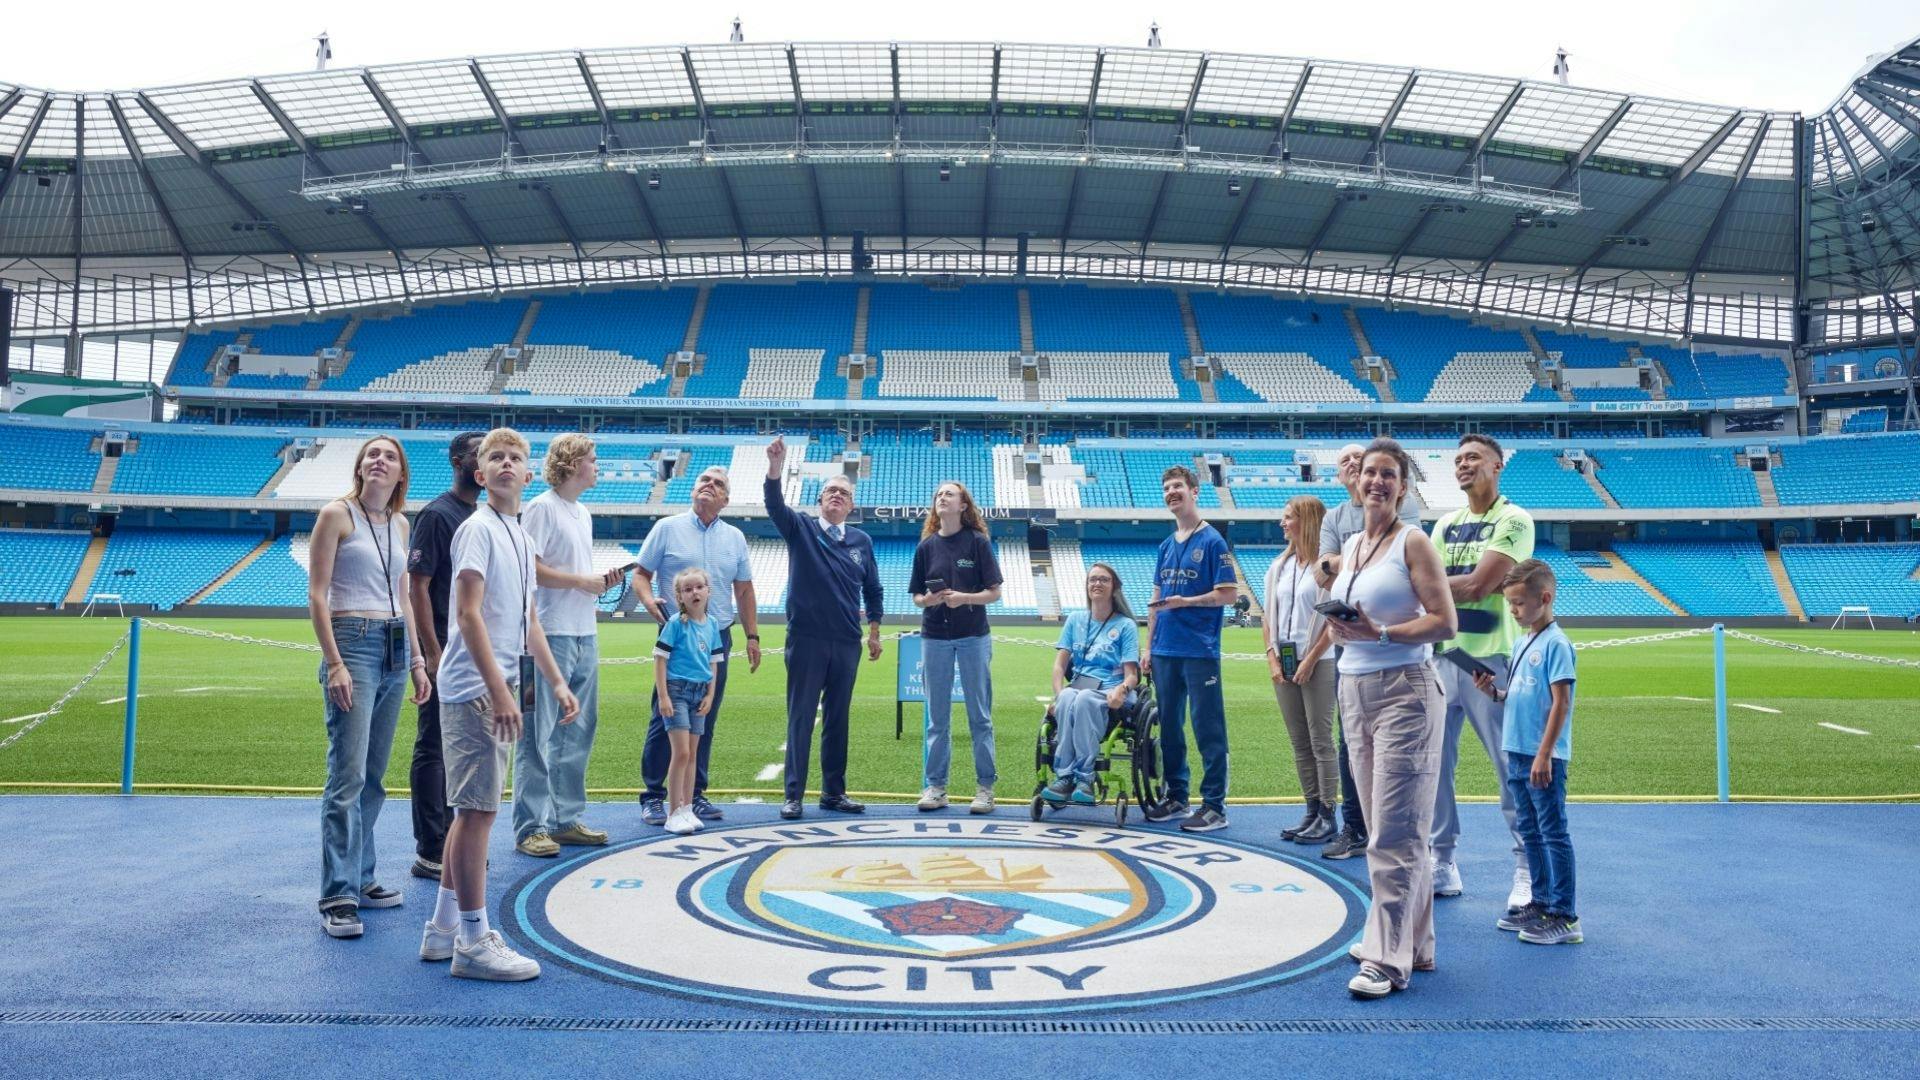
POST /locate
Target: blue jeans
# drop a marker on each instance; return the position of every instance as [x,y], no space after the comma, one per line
[550,761]
[1081,717]
[358,741]
[686,696]
[1541,816]
[1193,681]
[656,753]
[974,657]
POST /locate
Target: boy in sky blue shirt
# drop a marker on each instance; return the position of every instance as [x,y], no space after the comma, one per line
[1537,737]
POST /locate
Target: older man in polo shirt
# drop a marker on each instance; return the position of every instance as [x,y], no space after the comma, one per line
[696,538]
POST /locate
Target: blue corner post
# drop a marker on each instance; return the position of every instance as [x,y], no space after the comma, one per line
[1720,709]
[133,708]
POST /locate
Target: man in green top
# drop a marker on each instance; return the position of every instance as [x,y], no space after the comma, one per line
[1478,543]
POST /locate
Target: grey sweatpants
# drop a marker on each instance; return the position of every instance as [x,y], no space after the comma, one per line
[1393,721]
[1466,703]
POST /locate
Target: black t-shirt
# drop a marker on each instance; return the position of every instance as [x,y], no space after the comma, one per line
[431,553]
[965,561]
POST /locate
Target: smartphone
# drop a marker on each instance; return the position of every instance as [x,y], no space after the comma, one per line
[526,684]
[1289,659]
[629,568]
[1160,603]
[935,584]
[1337,609]
[1458,657]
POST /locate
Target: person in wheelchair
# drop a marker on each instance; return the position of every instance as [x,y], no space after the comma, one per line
[1096,669]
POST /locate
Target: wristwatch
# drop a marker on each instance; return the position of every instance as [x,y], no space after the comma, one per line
[1385,639]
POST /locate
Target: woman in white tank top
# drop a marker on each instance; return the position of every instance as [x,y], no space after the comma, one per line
[1394,717]
[362,613]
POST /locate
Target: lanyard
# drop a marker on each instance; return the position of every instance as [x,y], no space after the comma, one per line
[1099,634]
[386,556]
[520,567]
[1513,665]
[1180,557]
[1293,597]
[1367,561]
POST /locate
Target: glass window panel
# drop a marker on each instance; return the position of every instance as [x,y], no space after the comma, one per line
[152,140]
[327,103]
[1775,159]
[1726,160]
[741,73]
[1148,78]
[214,115]
[1350,93]
[640,78]
[1557,117]
[1452,104]
[433,93]
[844,72]
[1046,74]
[1884,128]
[13,126]
[103,135]
[538,85]
[1248,85]
[1856,143]
[55,139]
[1663,132]
[947,73]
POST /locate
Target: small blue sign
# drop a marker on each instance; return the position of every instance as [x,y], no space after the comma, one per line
[910,686]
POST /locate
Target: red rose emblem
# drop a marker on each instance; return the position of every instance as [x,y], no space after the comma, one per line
[948,916]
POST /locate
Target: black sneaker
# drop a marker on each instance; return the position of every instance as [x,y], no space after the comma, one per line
[1166,810]
[790,810]
[840,804]
[1345,846]
[379,896]
[705,810]
[653,811]
[341,921]
[1207,819]
[424,867]
[1520,918]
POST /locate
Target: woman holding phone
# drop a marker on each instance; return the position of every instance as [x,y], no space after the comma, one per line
[1389,604]
[955,577]
[1303,686]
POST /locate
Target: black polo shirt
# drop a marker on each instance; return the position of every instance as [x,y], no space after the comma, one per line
[965,561]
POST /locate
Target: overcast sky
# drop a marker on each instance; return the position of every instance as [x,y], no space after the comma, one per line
[1791,55]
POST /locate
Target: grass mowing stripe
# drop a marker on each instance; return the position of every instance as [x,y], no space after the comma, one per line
[1634,738]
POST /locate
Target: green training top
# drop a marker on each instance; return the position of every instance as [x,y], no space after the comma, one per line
[1487,628]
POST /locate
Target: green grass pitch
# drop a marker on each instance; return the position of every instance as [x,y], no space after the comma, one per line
[216,713]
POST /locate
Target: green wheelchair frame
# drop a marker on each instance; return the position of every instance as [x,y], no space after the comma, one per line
[1126,767]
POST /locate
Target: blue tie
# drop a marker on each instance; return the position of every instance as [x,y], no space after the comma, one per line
[836,531]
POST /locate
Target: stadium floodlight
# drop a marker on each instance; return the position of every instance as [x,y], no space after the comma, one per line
[1233,187]
[1533,202]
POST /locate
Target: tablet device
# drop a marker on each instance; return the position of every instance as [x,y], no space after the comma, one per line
[1084,682]
[1337,609]
[1459,658]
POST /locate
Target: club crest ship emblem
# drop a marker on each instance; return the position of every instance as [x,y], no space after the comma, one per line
[944,904]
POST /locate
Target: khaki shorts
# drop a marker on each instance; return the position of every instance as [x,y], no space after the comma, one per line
[476,761]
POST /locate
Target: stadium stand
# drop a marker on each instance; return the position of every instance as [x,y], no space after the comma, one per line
[1677,478]
[278,578]
[1255,560]
[978,318]
[1133,561]
[906,468]
[1069,574]
[1708,578]
[1828,577]
[195,353]
[1487,377]
[223,466]
[297,339]
[644,325]
[1111,376]
[741,318]
[469,371]
[783,373]
[577,370]
[1266,324]
[165,567]
[1581,595]
[1420,346]
[1538,479]
[1079,318]
[1861,469]
[37,565]
[47,459]
[1106,472]
[1294,376]
[430,349]
[1713,375]
[952,376]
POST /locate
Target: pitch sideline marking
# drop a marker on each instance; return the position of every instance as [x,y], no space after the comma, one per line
[1756,708]
[23,719]
[1844,730]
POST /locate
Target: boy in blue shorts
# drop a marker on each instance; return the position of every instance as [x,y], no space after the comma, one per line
[1538,741]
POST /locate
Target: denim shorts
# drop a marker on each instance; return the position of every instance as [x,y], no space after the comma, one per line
[476,760]
[686,696]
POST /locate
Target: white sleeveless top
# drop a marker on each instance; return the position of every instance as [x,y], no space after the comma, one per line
[1384,590]
[367,554]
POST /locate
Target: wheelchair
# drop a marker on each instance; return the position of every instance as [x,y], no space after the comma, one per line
[1126,767]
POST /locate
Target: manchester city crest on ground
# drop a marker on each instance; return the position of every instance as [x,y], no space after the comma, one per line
[916,917]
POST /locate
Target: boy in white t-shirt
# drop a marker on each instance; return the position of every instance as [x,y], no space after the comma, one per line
[493,644]
[550,762]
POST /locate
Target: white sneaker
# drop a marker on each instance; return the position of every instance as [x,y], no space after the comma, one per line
[982,800]
[934,798]
[1446,879]
[1522,893]
[435,943]
[682,822]
[489,958]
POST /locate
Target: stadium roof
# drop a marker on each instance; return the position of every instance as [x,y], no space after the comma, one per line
[288,193]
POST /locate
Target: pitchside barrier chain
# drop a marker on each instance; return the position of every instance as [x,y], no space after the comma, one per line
[131,639]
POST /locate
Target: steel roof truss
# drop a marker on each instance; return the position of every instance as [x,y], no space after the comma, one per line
[26,143]
[199,159]
[1659,195]
[412,150]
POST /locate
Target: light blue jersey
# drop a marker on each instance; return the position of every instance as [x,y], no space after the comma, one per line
[1539,660]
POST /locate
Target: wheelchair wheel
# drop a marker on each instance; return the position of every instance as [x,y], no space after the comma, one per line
[1146,758]
[1120,810]
[1038,808]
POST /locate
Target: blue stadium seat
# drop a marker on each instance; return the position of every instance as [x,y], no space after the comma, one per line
[741,317]
[37,565]
[1578,594]
[1828,577]
[976,318]
[47,459]
[384,346]
[1708,578]
[1077,318]
[1677,479]
[1537,479]
[201,463]
[167,566]
[275,579]
[1849,469]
